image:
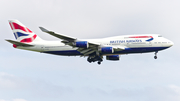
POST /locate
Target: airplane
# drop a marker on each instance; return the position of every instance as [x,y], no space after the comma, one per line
[93,49]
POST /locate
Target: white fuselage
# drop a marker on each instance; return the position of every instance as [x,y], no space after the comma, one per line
[94,49]
[131,44]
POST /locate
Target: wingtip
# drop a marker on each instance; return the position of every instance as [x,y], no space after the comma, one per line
[7,40]
[43,29]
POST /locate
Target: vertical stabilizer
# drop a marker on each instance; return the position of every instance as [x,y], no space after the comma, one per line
[22,33]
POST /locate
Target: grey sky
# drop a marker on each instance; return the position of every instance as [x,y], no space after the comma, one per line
[30,76]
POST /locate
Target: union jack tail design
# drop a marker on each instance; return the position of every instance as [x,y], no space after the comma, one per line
[22,33]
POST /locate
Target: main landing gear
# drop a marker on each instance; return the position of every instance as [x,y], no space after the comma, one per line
[94,59]
[99,62]
[155,57]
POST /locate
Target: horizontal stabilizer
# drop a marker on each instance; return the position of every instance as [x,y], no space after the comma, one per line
[19,43]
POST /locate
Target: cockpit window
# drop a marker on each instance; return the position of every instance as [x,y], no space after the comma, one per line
[159,36]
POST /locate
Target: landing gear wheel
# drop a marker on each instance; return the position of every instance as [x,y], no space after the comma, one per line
[155,57]
[99,62]
[89,60]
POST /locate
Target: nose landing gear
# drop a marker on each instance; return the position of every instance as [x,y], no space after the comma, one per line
[155,57]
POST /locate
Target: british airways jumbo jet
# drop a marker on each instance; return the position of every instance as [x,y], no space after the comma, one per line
[94,49]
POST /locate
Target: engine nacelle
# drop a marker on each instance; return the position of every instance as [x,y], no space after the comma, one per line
[82,44]
[107,50]
[113,57]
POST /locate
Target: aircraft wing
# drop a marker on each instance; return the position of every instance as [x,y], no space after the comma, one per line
[69,41]
[63,37]
[19,43]
[93,47]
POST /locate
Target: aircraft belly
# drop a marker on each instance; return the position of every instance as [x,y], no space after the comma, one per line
[64,52]
[61,50]
[140,50]
[126,51]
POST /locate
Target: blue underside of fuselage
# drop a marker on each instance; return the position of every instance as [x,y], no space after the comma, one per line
[126,51]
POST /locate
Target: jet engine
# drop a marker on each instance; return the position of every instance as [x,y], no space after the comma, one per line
[82,44]
[107,50]
[113,57]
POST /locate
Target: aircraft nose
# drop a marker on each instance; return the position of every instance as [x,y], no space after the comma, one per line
[171,43]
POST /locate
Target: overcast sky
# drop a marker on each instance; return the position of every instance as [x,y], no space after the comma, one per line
[30,76]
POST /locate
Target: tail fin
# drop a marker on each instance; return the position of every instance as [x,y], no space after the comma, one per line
[22,33]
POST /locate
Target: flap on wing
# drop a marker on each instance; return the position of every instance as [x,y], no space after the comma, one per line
[86,52]
[119,48]
[19,43]
[60,36]
[92,44]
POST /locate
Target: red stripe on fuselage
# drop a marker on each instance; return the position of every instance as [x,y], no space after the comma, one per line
[16,26]
[28,40]
[141,37]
